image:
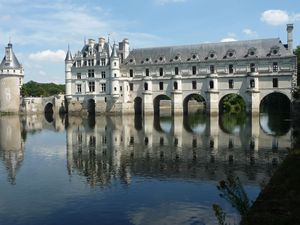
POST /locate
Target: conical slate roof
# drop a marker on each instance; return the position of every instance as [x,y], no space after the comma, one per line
[68,55]
[11,64]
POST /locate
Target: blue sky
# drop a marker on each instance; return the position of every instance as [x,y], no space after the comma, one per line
[41,30]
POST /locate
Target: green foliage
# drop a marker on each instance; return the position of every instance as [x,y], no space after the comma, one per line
[35,89]
[233,103]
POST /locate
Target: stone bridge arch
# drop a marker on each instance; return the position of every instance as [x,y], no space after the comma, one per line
[236,107]
[197,98]
[166,106]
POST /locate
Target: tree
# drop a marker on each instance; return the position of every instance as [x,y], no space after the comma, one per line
[297,53]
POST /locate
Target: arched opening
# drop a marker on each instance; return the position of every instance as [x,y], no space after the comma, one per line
[193,103]
[275,109]
[232,103]
[232,108]
[138,104]
[91,106]
[162,105]
[48,110]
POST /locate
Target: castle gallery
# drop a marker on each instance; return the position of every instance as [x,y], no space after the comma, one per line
[110,78]
[105,78]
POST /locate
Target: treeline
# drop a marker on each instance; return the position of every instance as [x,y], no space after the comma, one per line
[35,89]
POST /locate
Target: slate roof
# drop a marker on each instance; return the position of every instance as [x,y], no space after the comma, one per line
[203,52]
[14,64]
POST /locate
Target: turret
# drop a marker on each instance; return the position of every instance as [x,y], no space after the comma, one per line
[115,72]
[289,29]
[68,74]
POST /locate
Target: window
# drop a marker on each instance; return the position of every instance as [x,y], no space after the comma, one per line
[275,67]
[194,84]
[176,70]
[78,63]
[92,86]
[147,72]
[115,64]
[103,87]
[79,88]
[161,85]
[131,73]
[275,82]
[121,88]
[161,71]
[252,67]
[146,86]
[230,68]
[78,76]
[211,84]
[252,83]
[131,86]
[230,83]
[103,62]
[194,70]
[91,62]
[175,85]
[115,75]
[103,74]
[90,73]
[212,68]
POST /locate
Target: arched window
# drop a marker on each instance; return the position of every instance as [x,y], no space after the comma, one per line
[211,84]
[252,83]
[175,85]
[146,86]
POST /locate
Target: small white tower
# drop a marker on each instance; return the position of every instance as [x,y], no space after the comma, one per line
[68,74]
[11,80]
[115,73]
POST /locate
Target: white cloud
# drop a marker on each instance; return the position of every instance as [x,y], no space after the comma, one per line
[164,2]
[228,39]
[275,17]
[249,32]
[48,55]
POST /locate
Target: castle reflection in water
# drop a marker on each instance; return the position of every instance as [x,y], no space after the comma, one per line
[182,147]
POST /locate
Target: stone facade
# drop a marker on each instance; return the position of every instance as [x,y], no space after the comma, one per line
[11,80]
[102,78]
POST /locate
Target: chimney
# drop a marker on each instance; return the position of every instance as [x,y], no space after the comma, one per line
[289,29]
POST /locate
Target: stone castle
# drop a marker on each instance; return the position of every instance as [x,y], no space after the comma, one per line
[105,78]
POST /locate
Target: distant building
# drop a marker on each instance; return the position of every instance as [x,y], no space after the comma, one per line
[105,78]
[11,80]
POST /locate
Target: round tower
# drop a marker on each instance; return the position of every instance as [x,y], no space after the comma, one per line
[115,73]
[11,80]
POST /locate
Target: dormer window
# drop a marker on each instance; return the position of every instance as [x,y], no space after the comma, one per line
[212,55]
[274,51]
[230,53]
[252,52]
[177,57]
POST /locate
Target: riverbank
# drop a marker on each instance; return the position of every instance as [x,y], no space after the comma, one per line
[278,203]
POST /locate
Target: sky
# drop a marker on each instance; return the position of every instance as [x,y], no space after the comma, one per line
[41,30]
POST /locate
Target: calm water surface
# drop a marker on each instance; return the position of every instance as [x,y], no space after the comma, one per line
[130,170]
